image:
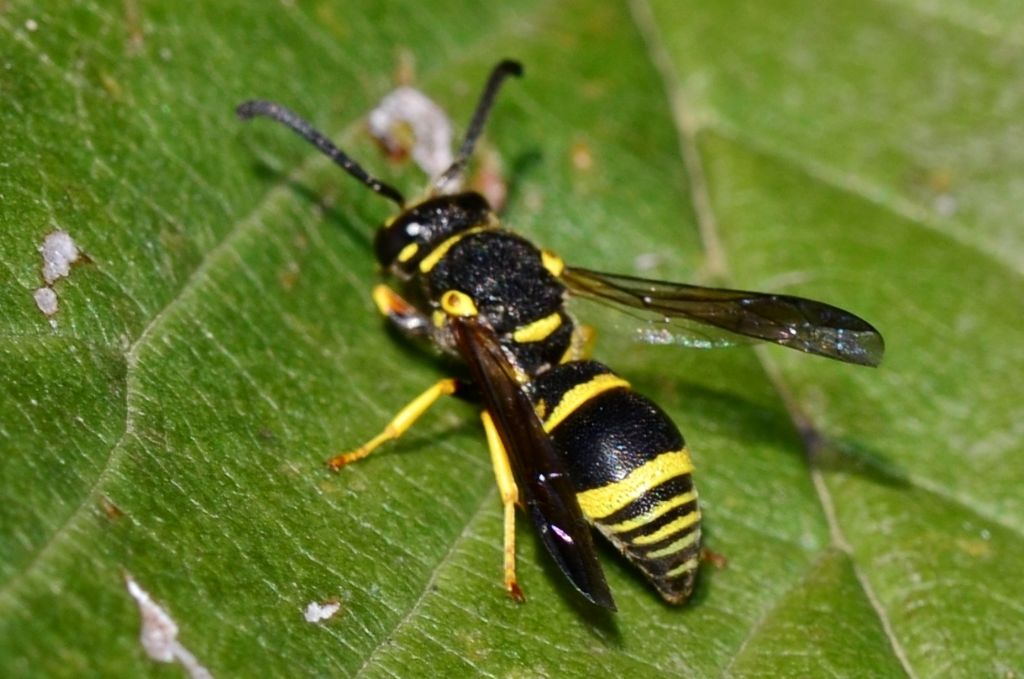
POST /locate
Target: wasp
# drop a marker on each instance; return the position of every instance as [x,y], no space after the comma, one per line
[570,441]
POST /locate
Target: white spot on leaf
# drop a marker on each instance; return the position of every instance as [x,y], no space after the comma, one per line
[46,300]
[945,205]
[318,612]
[59,252]
[647,261]
[408,122]
[159,635]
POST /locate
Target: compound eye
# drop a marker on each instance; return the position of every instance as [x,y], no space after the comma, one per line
[389,245]
[399,242]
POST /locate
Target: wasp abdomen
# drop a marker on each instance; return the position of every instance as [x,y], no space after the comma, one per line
[630,468]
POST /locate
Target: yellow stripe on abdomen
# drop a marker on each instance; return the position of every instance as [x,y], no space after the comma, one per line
[685,567]
[660,510]
[679,545]
[598,503]
[580,394]
[669,529]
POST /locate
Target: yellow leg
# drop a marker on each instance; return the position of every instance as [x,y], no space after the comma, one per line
[399,425]
[509,497]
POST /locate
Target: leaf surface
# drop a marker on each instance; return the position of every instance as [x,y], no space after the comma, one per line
[218,344]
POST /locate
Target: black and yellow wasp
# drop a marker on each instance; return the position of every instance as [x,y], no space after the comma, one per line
[570,442]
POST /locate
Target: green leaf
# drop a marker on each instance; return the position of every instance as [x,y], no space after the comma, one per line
[217,344]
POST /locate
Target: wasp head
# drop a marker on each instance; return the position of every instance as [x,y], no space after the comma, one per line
[403,241]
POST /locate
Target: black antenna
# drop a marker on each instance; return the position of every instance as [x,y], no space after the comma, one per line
[503,70]
[257,107]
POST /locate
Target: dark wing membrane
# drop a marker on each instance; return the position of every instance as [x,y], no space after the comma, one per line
[795,322]
[544,487]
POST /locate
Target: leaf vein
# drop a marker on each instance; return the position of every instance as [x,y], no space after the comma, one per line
[414,610]
[133,391]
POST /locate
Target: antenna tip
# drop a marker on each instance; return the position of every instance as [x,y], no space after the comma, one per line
[250,109]
[510,67]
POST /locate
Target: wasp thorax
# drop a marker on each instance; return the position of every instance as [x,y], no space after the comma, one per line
[402,242]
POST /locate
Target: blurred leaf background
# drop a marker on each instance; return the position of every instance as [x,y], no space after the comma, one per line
[220,343]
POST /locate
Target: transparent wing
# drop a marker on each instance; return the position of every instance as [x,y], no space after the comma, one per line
[544,487]
[650,327]
[669,313]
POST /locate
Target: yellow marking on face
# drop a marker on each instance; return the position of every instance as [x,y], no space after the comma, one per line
[408,252]
[457,303]
[682,543]
[438,317]
[660,510]
[680,524]
[539,330]
[579,395]
[598,503]
[435,256]
[688,565]
[552,262]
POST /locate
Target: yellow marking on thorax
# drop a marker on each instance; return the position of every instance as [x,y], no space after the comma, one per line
[457,303]
[539,330]
[679,545]
[579,395]
[435,256]
[552,262]
[598,503]
[660,510]
[682,523]
[408,252]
